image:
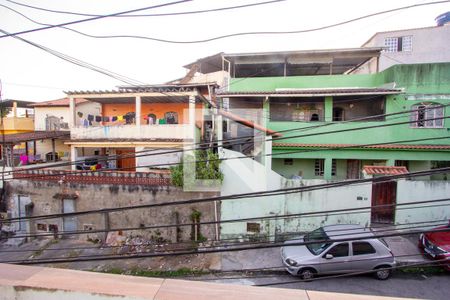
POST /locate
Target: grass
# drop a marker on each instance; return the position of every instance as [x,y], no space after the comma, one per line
[422,270]
[182,272]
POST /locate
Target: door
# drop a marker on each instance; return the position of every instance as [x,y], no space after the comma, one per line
[70,222]
[22,202]
[339,262]
[353,167]
[126,160]
[383,202]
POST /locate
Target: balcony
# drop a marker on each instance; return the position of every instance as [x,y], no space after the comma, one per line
[18,124]
[165,131]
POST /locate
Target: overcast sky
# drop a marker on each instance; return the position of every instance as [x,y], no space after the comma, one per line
[28,73]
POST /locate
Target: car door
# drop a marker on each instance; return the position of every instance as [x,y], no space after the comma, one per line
[339,262]
[364,256]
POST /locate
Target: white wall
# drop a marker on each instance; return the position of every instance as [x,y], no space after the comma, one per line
[411,191]
[245,175]
[153,158]
[41,113]
[429,45]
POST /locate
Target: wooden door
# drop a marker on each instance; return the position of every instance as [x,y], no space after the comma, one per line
[353,169]
[126,160]
[383,202]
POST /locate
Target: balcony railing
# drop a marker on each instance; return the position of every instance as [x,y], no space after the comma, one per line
[166,131]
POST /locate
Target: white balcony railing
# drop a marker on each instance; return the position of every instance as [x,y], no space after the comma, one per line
[166,131]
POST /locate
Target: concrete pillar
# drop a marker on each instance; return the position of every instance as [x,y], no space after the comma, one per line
[53,150]
[327,168]
[14,109]
[328,109]
[138,112]
[72,114]
[73,157]
[219,129]
[192,117]
[390,162]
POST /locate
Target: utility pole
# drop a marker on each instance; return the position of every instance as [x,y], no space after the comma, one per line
[2,125]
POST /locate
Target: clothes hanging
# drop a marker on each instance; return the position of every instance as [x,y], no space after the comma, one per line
[119,118]
[80,114]
[114,118]
[98,118]
[105,119]
[90,118]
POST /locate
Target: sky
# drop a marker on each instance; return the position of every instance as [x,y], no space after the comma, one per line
[28,73]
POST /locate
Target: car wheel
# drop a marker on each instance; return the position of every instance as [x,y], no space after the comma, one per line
[306,274]
[382,273]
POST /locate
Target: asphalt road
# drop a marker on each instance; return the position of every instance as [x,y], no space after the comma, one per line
[414,285]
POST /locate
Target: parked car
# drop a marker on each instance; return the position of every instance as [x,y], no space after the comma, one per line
[335,252]
[437,244]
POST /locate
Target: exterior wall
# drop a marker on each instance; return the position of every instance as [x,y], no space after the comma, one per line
[155,158]
[41,113]
[45,146]
[246,175]
[97,196]
[18,125]
[411,191]
[429,45]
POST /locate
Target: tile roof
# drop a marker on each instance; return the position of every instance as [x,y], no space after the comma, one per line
[385,146]
[384,170]
[35,135]
[57,102]
[313,92]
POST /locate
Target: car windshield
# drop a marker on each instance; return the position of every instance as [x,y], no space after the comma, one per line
[316,235]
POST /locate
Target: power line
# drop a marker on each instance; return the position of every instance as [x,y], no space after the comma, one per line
[398,226]
[227,35]
[244,195]
[93,18]
[212,250]
[150,15]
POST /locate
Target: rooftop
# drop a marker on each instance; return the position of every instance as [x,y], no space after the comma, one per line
[384,170]
[57,103]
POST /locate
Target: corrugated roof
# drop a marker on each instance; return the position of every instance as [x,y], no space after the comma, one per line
[58,102]
[384,170]
[386,146]
[312,92]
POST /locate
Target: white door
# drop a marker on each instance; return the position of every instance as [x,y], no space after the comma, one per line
[69,223]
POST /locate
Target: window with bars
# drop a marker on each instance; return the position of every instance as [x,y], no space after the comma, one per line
[426,116]
[319,167]
[398,44]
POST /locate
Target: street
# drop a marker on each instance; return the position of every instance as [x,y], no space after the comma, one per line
[405,285]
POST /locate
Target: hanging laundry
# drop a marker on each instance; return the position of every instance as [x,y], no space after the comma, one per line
[114,119]
[85,123]
[98,118]
[105,119]
[80,114]
[119,118]
[90,118]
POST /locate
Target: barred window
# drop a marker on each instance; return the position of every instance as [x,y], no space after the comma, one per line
[398,44]
[426,116]
[319,167]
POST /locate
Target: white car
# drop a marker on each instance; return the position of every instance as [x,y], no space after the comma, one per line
[339,249]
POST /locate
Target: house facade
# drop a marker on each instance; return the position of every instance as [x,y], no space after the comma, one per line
[126,128]
[331,125]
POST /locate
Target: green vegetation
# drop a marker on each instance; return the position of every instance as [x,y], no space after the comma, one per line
[154,273]
[206,167]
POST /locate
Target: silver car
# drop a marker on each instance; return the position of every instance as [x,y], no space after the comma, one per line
[339,249]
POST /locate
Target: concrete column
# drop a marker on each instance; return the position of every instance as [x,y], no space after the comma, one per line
[390,162]
[327,169]
[73,157]
[72,114]
[192,117]
[53,150]
[328,109]
[219,129]
[138,112]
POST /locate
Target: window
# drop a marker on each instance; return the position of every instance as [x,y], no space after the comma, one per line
[171,117]
[339,250]
[297,109]
[422,114]
[362,248]
[288,161]
[319,166]
[398,44]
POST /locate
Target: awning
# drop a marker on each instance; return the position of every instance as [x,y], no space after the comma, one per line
[384,170]
[17,138]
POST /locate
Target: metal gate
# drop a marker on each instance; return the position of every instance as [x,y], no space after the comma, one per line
[69,223]
[383,202]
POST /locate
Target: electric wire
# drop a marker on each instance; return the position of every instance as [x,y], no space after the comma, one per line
[150,15]
[227,35]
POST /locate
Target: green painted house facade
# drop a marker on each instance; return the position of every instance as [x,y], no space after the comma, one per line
[334,125]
